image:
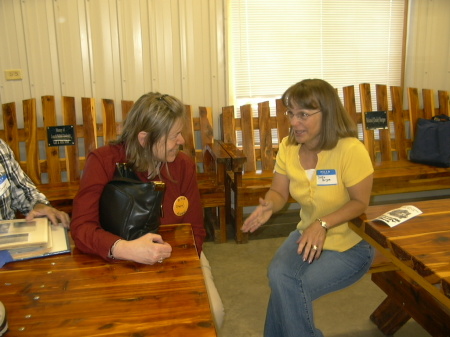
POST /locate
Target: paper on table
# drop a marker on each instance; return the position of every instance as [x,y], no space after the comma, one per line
[398,215]
[58,243]
[19,233]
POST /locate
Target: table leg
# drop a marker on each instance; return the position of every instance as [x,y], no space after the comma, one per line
[389,317]
[407,299]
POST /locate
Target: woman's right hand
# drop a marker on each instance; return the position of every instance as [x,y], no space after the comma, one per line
[148,249]
[260,215]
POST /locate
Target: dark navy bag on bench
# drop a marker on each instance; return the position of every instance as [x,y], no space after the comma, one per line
[432,142]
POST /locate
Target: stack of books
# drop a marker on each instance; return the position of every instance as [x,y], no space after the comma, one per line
[32,239]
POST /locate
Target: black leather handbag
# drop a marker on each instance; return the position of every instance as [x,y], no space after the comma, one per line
[130,207]
[432,142]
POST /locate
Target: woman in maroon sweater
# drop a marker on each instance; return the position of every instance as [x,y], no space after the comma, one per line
[150,143]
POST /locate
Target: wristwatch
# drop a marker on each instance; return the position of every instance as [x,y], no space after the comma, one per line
[323,224]
[44,202]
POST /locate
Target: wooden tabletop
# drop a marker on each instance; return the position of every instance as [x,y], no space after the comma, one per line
[82,295]
[420,247]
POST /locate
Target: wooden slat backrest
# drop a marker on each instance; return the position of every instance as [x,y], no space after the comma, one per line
[350,104]
[444,102]
[205,125]
[126,107]
[366,106]
[60,163]
[109,120]
[384,144]
[396,141]
[257,141]
[229,125]
[401,141]
[89,130]
[429,109]
[188,133]
[248,137]
[197,132]
[428,103]
[205,122]
[52,152]
[265,137]
[73,168]
[31,140]
[283,124]
[10,123]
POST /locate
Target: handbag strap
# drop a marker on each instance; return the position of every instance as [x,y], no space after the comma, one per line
[123,170]
[124,173]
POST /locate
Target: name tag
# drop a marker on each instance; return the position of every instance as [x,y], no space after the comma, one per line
[4,184]
[326,177]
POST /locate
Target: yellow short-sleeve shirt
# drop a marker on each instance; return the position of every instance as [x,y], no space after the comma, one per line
[344,166]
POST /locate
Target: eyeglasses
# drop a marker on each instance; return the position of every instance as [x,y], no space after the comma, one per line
[300,116]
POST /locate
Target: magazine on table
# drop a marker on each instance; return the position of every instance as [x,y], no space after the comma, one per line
[56,242]
[399,215]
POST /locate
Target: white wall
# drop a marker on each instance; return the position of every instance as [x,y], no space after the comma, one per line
[117,49]
[428,45]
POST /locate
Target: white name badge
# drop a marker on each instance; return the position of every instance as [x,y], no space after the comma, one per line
[326,177]
[4,184]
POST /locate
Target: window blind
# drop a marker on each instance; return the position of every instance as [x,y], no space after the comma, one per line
[274,44]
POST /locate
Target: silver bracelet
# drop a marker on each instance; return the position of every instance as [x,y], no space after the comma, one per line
[111,250]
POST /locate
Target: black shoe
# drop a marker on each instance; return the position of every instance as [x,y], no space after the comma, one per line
[3,320]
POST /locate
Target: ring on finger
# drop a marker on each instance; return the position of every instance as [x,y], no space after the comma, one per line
[314,247]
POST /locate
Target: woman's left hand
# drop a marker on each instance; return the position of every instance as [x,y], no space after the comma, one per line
[311,242]
[54,215]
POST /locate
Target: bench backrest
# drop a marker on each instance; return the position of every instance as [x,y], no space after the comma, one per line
[395,142]
[255,134]
[389,144]
[54,164]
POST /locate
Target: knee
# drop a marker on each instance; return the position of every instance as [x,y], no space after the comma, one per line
[275,273]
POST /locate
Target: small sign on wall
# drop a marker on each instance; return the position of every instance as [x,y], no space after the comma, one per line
[61,135]
[376,120]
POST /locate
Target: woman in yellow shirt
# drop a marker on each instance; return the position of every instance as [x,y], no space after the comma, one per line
[327,170]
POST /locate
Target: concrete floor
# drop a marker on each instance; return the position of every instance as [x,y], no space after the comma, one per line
[240,276]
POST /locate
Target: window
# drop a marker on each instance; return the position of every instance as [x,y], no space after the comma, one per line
[274,44]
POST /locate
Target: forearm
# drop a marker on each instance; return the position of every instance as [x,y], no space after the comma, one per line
[349,211]
[359,201]
[278,200]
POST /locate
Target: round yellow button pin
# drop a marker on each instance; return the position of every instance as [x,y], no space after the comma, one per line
[180,206]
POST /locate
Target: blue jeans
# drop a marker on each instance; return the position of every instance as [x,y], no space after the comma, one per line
[295,284]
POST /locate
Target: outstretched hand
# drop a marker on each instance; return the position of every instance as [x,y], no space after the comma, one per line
[260,215]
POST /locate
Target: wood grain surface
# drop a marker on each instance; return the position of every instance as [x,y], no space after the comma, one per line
[82,295]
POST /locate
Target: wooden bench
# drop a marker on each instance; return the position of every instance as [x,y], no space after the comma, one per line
[249,176]
[56,170]
[389,148]
[248,140]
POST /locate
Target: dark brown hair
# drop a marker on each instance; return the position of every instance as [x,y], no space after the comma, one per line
[319,94]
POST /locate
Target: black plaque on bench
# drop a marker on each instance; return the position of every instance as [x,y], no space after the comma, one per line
[61,135]
[376,120]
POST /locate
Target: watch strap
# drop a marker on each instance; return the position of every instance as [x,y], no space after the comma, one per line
[323,224]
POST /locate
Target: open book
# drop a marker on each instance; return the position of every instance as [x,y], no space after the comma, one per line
[56,242]
[398,215]
[19,233]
